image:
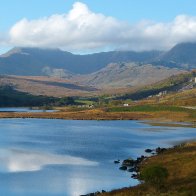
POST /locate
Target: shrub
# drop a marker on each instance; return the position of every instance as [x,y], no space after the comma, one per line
[154,175]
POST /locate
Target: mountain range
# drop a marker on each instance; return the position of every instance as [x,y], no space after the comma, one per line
[115,69]
[37,61]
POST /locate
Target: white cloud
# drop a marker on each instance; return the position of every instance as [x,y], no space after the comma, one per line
[82,30]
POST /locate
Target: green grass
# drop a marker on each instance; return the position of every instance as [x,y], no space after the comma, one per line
[150,108]
[193,114]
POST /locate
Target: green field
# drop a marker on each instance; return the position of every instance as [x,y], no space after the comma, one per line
[149,108]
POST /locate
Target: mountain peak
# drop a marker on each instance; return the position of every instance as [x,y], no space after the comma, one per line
[29,50]
[185,44]
[15,50]
[182,55]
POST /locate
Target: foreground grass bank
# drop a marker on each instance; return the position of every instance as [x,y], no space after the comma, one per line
[180,162]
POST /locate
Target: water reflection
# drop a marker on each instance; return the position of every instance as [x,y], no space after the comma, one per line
[17,160]
[71,158]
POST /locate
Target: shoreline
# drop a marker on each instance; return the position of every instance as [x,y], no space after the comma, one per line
[136,166]
[100,114]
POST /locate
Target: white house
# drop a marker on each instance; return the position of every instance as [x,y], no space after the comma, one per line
[125,104]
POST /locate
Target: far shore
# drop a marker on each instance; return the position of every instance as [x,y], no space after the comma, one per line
[101,114]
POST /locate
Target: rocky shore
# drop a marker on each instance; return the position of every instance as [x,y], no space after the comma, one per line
[133,165]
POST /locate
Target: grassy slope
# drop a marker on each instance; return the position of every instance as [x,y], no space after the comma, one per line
[185,98]
[159,111]
[181,164]
[171,84]
[46,86]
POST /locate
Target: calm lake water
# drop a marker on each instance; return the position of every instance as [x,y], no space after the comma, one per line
[65,157]
[23,110]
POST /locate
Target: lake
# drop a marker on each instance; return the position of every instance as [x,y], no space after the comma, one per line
[24,110]
[70,158]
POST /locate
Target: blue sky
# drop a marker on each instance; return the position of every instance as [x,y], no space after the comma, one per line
[130,11]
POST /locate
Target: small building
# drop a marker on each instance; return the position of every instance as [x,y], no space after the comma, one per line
[91,106]
[161,93]
[125,104]
[86,106]
[193,80]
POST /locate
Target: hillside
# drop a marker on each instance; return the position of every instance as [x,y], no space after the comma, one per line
[173,84]
[10,98]
[118,75]
[46,86]
[182,98]
[58,87]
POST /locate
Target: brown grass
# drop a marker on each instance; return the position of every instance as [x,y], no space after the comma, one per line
[181,165]
[42,85]
[185,98]
[95,114]
[48,86]
[101,114]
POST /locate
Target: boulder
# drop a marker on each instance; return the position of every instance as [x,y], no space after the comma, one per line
[117,161]
[160,150]
[129,162]
[135,176]
[148,150]
[131,169]
[123,168]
